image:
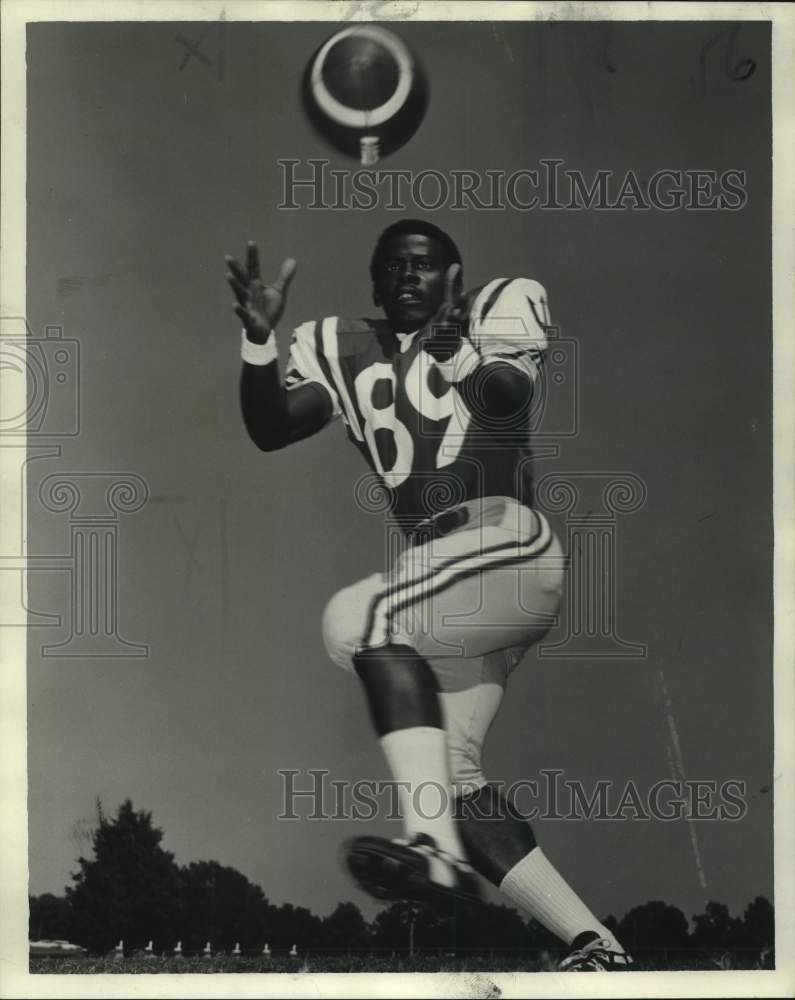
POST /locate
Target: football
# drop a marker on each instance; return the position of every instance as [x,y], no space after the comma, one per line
[365,92]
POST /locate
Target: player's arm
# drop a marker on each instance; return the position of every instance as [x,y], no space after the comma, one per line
[496,390]
[273,416]
[492,387]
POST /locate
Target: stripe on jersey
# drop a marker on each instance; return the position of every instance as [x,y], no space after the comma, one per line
[528,360]
[382,609]
[496,292]
[501,286]
[545,307]
[507,354]
[328,348]
[319,355]
[311,370]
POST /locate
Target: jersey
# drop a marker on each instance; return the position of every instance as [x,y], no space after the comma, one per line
[401,407]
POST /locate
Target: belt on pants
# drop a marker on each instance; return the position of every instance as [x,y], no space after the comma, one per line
[447,521]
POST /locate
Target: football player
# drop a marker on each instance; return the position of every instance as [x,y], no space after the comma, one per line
[436,396]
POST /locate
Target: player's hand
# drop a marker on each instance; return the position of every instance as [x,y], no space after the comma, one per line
[446,327]
[258,305]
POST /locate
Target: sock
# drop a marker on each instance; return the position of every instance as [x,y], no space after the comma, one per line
[418,756]
[542,893]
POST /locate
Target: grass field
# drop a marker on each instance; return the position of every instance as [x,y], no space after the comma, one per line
[350,963]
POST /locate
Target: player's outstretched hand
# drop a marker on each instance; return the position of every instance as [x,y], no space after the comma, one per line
[451,318]
[258,305]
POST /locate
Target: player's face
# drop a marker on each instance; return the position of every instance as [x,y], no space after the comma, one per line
[409,285]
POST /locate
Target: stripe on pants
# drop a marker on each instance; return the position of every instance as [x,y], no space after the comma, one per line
[386,604]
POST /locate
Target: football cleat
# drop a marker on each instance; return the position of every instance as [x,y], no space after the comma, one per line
[413,869]
[590,953]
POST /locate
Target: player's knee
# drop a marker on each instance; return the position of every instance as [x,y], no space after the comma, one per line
[343,626]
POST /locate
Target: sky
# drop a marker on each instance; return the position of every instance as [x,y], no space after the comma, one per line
[146,164]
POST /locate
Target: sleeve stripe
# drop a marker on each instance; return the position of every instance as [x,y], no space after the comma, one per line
[545,307]
[306,365]
[509,354]
[322,360]
[328,351]
[526,363]
[526,352]
[493,298]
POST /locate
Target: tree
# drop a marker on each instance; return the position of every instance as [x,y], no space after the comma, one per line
[654,925]
[404,924]
[487,926]
[345,928]
[50,918]
[293,925]
[759,930]
[717,933]
[220,905]
[130,888]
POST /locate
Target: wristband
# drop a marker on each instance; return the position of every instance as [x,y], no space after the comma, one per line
[259,354]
